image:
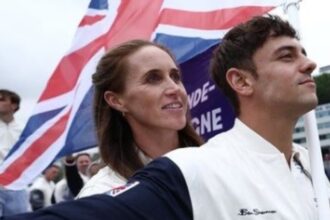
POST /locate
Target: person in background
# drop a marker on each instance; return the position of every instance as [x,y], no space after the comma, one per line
[11,201]
[10,129]
[93,168]
[61,192]
[83,160]
[75,176]
[42,188]
[253,171]
[140,111]
[76,171]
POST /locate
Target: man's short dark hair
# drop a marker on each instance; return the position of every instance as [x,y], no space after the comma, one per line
[238,47]
[83,154]
[37,199]
[14,98]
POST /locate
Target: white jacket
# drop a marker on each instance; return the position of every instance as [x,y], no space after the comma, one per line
[9,134]
[46,187]
[239,175]
[106,179]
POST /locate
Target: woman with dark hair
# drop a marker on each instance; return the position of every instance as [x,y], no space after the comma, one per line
[140,111]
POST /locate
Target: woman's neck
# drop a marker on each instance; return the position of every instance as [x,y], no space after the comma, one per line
[155,144]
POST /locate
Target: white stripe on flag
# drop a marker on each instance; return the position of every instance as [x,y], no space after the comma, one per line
[200,6]
[189,32]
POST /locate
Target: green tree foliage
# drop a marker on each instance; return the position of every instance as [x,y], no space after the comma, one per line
[323,88]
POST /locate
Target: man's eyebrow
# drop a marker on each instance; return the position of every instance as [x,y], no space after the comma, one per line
[290,48]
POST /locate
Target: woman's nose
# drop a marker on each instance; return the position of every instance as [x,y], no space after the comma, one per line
[172,86]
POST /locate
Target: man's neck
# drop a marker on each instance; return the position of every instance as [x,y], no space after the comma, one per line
[7,118]
[277,131]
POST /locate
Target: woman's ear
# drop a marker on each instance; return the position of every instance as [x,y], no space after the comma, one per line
[114,101]
[240,81]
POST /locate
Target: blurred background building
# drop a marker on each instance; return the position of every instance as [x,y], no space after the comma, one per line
[322,113]
[323,124]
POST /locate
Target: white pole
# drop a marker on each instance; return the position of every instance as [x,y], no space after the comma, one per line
[321,193]
[317,166]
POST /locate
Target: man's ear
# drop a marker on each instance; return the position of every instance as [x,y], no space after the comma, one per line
[114,101]
[240,81]
[14,107]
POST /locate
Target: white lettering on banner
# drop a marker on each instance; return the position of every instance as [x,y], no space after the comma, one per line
[209,121]
[200,94]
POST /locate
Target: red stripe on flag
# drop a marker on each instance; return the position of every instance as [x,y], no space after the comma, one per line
[34,151]
[212,20]
[67,72]
[134,20]
[90,20]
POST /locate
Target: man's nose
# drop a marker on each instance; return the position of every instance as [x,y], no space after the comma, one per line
[308,66]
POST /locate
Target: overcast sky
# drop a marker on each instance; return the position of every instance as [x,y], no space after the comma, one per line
[35,34]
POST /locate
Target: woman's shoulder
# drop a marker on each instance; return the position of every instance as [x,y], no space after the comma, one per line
[105,180]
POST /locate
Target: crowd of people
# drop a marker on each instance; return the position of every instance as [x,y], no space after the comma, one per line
[155,166]
[43,192]
[76,172]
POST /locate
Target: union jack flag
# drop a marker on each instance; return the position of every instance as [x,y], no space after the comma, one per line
[62,120]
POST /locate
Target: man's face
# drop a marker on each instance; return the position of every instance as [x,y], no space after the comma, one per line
[284,77]
[83,162]
[51,173]
[6,106]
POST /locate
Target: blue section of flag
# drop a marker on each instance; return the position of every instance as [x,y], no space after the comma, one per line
[82,133]
[34,123]
[185,48]
[98,4]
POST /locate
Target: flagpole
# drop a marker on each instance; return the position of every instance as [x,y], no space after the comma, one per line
[291,8]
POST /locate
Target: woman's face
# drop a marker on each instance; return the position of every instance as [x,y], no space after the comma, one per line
[154,96]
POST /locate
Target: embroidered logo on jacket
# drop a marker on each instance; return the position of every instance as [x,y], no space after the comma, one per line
[121,189]
[244,212]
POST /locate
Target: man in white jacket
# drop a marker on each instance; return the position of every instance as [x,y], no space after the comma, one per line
[11,201]
[43,187]
[251,172]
